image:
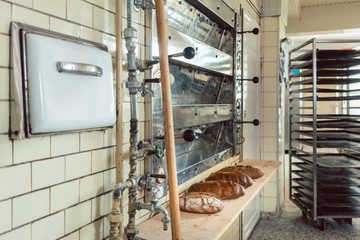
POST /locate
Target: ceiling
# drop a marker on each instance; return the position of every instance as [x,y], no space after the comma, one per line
[319,3]
[295,6]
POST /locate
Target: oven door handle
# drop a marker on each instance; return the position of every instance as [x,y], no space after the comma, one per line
[79,68]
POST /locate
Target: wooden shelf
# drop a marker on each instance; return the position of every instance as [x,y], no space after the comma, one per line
[210,226]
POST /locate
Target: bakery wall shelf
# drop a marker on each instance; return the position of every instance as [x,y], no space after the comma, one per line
[324,131]
[212,226]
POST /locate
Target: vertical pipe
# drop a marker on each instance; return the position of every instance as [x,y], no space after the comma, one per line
[314,128]
[119,103]
[290,129]
[168,120]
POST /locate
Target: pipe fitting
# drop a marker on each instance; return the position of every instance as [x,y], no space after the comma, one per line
[120,187]
[133,85]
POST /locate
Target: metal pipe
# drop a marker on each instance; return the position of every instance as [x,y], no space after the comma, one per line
[119,119]
[314,58]
[134,86]
[116,217]
[155,208]
[302,45]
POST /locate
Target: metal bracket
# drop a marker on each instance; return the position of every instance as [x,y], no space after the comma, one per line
[255,31]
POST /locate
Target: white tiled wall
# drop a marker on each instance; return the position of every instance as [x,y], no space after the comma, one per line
[269,106]
[56,186]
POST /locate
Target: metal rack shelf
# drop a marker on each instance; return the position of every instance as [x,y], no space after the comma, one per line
[327,73]
[324,143]
[326,81]
[332,63]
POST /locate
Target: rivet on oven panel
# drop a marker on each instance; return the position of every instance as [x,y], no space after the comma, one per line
[180,2]
[196,48]
[232,19]
[216,56]
[191,9]
[218,8]
[198,14]
[169,37]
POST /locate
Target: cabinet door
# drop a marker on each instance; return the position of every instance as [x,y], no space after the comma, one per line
[251,91]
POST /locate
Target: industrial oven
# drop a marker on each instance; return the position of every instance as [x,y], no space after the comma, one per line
[208,90]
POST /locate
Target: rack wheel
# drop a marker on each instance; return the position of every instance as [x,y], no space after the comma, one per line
[322,224]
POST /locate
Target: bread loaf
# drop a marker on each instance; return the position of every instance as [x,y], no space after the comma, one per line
[200,202]
[232,176]
[248,170]
[224,189]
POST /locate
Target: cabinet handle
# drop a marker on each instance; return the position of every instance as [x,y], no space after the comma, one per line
[79,68]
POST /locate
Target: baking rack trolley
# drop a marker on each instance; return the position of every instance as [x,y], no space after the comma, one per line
[325,130]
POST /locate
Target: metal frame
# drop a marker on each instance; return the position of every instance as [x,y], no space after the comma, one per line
[211,59]
[19,107]
[313,162]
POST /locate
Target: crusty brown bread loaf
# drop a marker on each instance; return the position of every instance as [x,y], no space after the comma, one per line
[233,176]
[224,189]
[200,202]
[248,170]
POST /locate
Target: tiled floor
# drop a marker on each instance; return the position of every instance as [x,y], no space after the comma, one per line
[291,226]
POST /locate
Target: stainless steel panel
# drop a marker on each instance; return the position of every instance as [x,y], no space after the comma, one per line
[196,169]
[180,15]
[206,30]
[206,57]
[218,9]
[192,115]
[202,88]
[185,18]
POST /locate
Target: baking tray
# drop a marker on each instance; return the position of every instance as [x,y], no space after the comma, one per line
[330,172]
[332,160]
[324,211]
[329,201]
[329,181]
[327,81]
[323,90]
[328,116]
[327,73]
[331,135]
[326,143]
[339,123]
[328,191]
[325,63]
[327,54]
[341,98]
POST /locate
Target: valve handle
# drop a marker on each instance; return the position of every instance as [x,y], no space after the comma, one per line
[156,175]
[159,152]
[152,80]
[189,53]
[189,135]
